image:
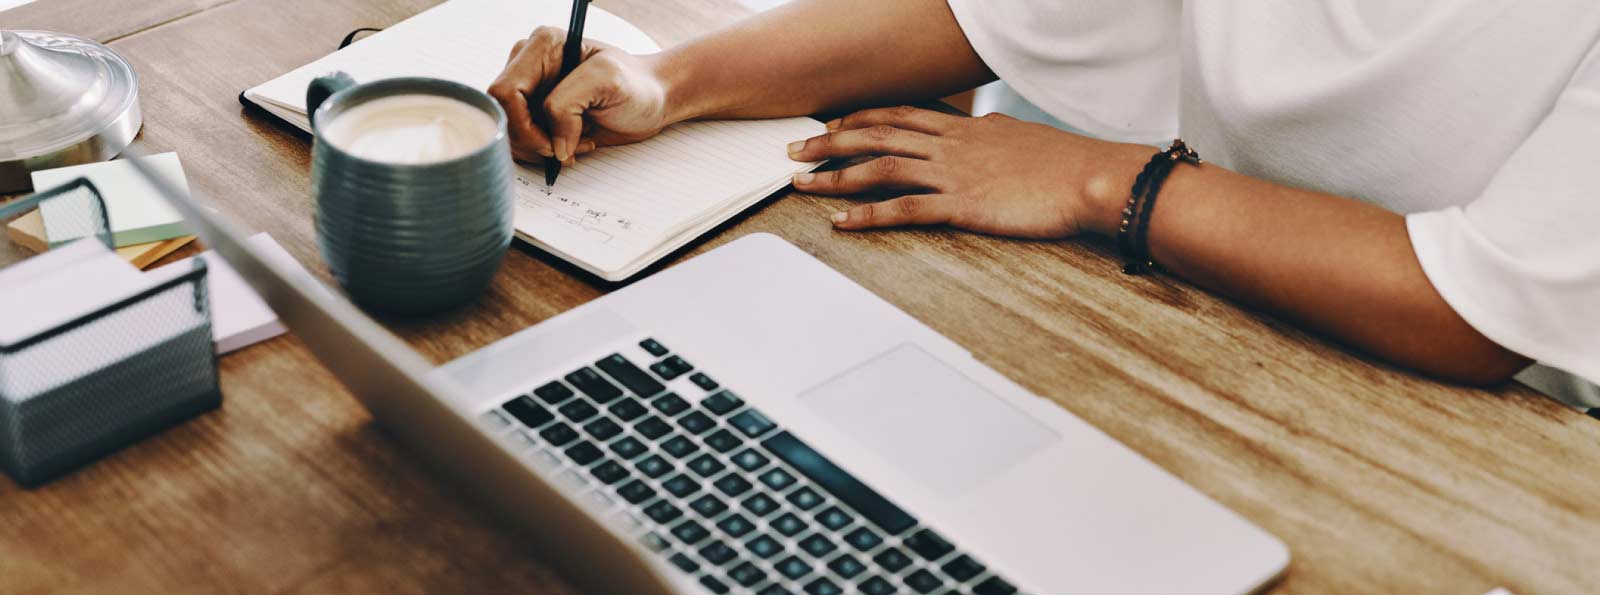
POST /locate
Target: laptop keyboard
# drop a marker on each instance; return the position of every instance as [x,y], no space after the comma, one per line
[724,493]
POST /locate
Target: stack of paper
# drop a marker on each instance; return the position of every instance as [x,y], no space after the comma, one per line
[619,209]
[143,226]
[238,316]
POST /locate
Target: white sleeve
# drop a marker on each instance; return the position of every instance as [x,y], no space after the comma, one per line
[1109,67]
[1521,263]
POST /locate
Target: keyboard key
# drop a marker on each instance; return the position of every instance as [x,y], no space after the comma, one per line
[578,411]
[696,423]
[713,585]
[528,412]
[793,567]
[609,472]
[652,427]
[994,586]
[733,485]
[553,393]
[723,441]
[804,498]
[777,479]
[788,524]
[823,586]
[706,465]
[652,347]
[627,448]
[623,371]
[818,545]
[876,586]
[654,542]
[679,446]
[703,381]
[662,512]
[670,404]
[718,552]
[670,368]
[595,386]
[929,545]
[892,560]
[760,505]
[654,466]
[636,492]
[584,453]
[774,589]
[834,518]
[764,547]
[722,403]
[684,563]
[559,434]
[847,566]
[603,429]
[750,460]
[752,423]
[747,574]
[923,581]
[495,420]
[863,539]
[840,483]
[628,409]
[963,568]
[681,485]
[708,506]
[690,532]
[736,525]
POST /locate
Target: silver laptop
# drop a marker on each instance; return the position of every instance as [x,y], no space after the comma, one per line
[751,421]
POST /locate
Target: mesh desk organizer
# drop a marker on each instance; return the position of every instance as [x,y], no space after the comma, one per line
[137,365]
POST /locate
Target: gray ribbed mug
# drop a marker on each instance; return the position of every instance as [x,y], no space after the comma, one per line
[409,238]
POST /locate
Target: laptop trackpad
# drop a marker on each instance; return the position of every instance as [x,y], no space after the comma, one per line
[927,419]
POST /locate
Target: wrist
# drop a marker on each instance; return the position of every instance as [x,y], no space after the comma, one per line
[1109,184]
[677,77]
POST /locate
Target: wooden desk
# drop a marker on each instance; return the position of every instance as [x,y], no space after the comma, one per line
[1379,481]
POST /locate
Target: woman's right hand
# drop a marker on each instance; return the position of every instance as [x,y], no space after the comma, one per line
[611,98]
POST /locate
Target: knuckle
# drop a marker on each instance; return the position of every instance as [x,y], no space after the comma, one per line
[834,178]
[881,132]
[911,206]
[870,212]
[517,47]
[902,111]
[547,34]
[822,143]
[887,166]
[501,91]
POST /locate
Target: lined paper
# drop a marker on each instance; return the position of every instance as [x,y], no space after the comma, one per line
[616,210]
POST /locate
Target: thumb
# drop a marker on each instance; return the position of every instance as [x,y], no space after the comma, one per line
[565,106]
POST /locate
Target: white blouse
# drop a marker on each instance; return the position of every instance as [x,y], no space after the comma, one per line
[1477,119]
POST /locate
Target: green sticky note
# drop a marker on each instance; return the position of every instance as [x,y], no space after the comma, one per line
[137,212]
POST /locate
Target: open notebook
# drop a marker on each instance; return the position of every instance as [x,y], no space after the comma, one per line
[618,209]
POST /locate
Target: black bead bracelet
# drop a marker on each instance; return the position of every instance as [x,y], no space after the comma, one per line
[1133,235]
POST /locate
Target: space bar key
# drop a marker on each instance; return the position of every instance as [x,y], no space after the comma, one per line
[840,483]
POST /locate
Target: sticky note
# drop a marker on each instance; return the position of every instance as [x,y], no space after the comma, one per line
[137,212]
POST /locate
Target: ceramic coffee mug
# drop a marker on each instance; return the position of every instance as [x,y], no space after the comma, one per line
[412,179]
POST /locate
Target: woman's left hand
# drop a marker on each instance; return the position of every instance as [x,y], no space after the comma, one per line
[993,174]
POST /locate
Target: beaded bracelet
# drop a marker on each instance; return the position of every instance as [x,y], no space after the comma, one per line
[1133,234]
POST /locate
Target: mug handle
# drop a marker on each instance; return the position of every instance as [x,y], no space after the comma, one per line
[322,88]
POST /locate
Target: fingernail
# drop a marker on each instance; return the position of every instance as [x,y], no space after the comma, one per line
[804,178]
[796,146]
[546,152]
[840,217]
[834,124]
[586,146]
[561,150]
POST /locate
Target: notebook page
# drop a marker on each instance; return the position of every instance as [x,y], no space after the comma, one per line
[616,205]
[466,41]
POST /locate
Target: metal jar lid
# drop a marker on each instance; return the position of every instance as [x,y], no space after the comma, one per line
[64,100]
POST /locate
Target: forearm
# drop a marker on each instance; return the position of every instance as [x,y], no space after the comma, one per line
[815,56]
[1340,266]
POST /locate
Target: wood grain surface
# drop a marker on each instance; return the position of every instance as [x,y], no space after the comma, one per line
[1378,480]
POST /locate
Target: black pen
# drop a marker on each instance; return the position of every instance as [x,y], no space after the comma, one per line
[571,54]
